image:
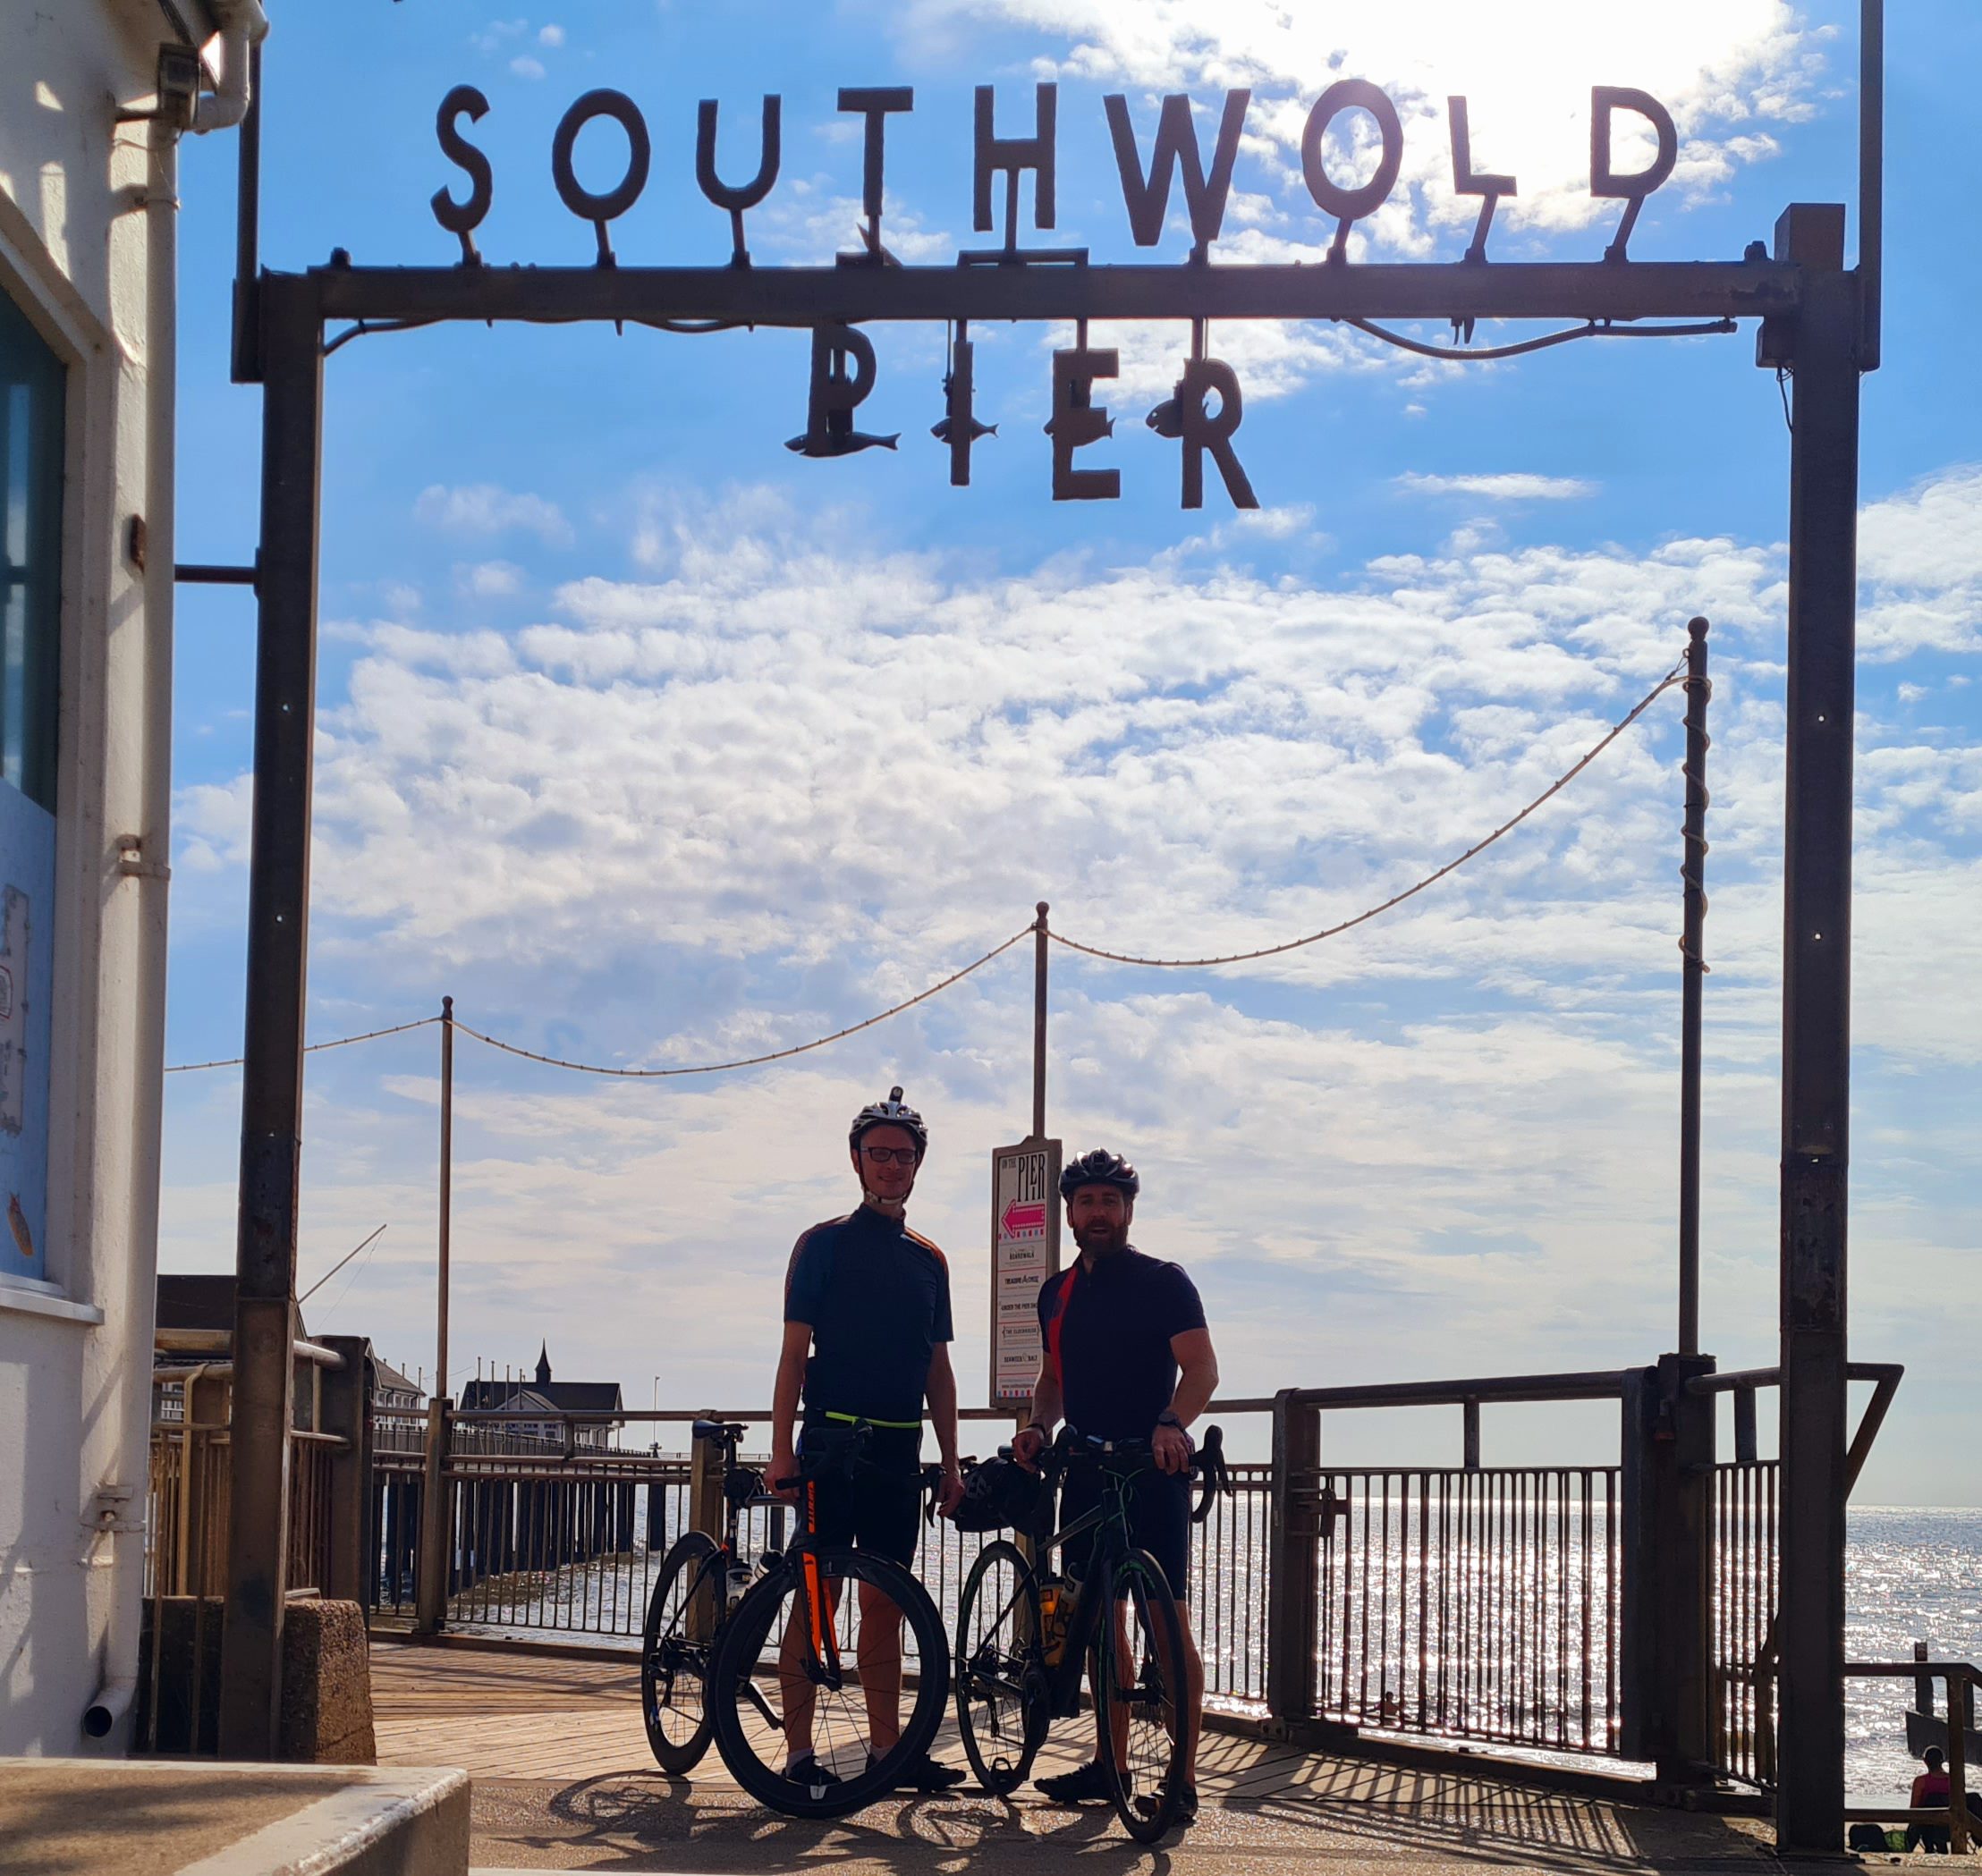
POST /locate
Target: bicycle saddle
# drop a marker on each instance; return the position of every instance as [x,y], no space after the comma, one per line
[717,1429]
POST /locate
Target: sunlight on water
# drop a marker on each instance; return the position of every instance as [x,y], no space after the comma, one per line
[1912,1575]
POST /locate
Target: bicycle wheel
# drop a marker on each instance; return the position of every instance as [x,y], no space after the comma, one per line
[780,1683]
[1001,1712]
[1142,1698]
[682,1619]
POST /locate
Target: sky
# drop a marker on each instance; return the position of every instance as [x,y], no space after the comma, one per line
[653,744]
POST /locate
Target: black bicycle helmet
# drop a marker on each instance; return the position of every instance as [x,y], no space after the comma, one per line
[1098,1168]
[1000,1495]
[892,1113]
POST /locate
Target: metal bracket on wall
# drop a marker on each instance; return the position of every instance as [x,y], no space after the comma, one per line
[132,862]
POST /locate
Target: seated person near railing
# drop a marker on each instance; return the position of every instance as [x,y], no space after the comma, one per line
[1932,1790]
[1127,1357]
[867,1336]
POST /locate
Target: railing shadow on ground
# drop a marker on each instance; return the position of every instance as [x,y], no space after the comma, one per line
[1349,1810]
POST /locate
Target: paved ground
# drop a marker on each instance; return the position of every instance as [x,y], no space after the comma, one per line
[564,1780]
[134,1817]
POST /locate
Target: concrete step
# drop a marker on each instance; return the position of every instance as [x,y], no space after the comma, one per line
[150,1817]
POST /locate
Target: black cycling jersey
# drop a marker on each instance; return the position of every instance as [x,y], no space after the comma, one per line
[1107,1330]
[877,1297]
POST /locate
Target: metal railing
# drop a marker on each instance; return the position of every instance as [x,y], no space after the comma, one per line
[1616,1610]
[1475,1604]
[188,1506]
[1745,1499]
[1960,1680]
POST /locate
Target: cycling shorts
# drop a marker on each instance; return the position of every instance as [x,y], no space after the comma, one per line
[880,1507]
[1159,1520]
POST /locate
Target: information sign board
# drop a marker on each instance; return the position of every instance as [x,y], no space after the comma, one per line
[1025,1251]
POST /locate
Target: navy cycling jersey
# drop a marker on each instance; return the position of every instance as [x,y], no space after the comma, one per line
[877,1297]
[1108,1330]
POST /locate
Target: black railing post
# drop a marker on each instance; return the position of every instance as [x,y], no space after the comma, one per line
[1665,1631]
[436,1531]
[1293,1582]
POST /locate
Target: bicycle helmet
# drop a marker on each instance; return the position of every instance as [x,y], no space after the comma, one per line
[1001,1494]
[1099,1167]
[893,1112]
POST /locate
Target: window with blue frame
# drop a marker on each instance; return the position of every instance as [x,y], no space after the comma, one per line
[33,381]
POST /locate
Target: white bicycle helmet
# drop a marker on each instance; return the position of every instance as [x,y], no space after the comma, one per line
[892,1113]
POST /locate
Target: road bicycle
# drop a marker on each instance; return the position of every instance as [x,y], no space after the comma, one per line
[1021,1649]
[700,1581]
[795,1661]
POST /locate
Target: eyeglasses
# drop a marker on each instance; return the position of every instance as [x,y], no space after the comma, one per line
[885,1155]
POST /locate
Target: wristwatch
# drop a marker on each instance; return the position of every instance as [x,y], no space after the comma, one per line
[1169,1418]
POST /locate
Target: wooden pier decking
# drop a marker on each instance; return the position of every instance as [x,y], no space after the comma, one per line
[564,1780]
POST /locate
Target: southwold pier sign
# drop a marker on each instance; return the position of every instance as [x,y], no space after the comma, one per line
[1208,406]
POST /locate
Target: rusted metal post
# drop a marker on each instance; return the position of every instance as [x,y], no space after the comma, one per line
[272,1075]
[704,1513]
[446,1227]
[347,1412]
[1699,690]
[1293,1582]
[435,1526]
[1816,1023]
[1039,1025]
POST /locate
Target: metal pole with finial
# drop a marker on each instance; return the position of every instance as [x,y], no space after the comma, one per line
[1039,1024]
[1699,690]
[447,1179]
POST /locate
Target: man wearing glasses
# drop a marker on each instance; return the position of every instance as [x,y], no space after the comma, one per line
[867,1336]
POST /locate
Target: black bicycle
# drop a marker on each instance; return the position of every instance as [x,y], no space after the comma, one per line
[1025,1635]
[701,1579]
[806,1684]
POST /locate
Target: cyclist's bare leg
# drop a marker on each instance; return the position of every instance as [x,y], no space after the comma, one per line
[1194,1693]
[1193,1688]
[798,1696]
[880,1658]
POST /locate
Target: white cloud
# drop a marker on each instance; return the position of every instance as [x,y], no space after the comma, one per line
[491,579]
[483,509]
[1730,71]
[1504,488]
[772,786]
[525,66]
[550,36]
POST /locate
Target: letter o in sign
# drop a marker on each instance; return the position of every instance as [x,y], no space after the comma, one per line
[1350,204]
[616,202]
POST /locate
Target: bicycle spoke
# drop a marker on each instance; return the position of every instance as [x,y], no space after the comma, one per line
[826,1698]
[1144,1668]
[1001,1718]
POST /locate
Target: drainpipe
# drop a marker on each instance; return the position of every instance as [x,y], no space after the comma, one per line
[141,862]
[243,25]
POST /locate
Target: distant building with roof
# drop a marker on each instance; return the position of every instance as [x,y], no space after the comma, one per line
[538,1406]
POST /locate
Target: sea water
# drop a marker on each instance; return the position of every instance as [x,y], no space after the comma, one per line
[1910,1575]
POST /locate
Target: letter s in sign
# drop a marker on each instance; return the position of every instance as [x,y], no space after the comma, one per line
[462,218]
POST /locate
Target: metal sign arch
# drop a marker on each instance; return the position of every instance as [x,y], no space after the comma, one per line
[1817,319]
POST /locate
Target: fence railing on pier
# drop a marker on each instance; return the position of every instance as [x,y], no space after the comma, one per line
[1454,1602]
[1619,1611]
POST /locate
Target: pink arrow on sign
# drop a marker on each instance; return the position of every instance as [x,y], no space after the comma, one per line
[1022,1221]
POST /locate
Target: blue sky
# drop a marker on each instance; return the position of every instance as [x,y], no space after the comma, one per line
[653,744]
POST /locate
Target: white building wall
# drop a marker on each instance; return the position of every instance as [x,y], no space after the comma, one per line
[87,209]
